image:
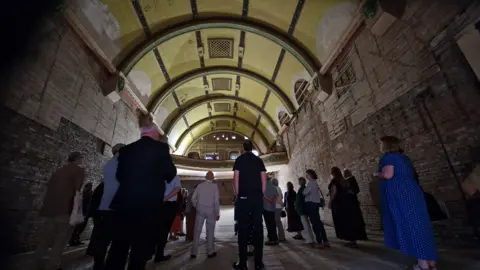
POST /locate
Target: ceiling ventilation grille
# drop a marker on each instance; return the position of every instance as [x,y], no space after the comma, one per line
[222,123]
[220,47]
[222,84]
[222,107]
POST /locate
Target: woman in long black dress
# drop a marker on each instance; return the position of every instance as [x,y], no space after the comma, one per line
[346,212]
[293,219]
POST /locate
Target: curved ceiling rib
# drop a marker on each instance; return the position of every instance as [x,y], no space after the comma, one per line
[289,44]
[213,132]
[219,117]
[168,88]
[208,99]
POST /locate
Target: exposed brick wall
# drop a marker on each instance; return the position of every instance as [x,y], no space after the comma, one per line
[28,160]
[417,53]
[53,106]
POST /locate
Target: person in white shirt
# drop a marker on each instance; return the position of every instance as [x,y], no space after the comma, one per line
[206,200]
[278,211]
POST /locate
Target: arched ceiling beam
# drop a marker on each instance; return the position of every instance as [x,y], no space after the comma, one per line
[161,95]
[287,43]
[203,101]
[221,117]
[217,131]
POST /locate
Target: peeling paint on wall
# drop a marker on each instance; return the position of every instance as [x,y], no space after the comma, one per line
[331,28]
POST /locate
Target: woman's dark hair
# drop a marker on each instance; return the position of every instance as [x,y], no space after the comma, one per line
[302,179]
[391,144]
[312,173]
[336,173]
[289,186]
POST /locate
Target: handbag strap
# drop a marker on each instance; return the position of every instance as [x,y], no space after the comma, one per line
[321,193]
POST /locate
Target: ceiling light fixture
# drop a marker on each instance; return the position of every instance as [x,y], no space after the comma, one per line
[246,138]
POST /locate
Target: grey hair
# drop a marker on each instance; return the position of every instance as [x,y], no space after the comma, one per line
[275,182]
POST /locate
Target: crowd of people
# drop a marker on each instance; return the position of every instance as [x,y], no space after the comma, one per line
[140,205]
[405,215]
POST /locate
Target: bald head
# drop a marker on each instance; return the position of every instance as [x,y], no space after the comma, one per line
[209,175]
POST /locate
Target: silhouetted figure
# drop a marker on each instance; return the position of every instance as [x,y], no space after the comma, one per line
[346,212]
[166,217]
[56,210]
[103,217]
[143,168]
[250,182]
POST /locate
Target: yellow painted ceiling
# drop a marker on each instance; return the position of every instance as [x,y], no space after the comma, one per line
[180,55]
[256,48]
[160,14]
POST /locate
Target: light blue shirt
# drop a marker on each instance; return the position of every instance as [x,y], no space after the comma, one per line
[169,187]
[270,192]
[312,192]
[110,183]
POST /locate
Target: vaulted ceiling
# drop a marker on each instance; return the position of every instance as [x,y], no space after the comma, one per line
[205,65]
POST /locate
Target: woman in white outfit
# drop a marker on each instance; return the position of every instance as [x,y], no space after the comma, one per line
[278,211]
[300,205]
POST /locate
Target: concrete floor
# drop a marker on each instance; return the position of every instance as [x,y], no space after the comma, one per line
[294,254]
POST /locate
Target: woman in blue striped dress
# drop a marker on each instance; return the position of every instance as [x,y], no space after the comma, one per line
[405,217]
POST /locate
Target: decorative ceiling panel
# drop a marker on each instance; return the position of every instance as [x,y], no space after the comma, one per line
[222,107]
[220,33]
[260,55]
[180,54]
[220,48]
[222,124]
[278,13]
[215,112]
[161,13]
[221,84]
[211,78]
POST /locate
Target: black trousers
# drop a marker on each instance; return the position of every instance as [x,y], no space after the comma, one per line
[167,216]
[133,232]
[269,217]
[102,236]
[248,211]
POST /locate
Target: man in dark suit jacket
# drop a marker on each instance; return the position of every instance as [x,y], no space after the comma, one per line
[143,168]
